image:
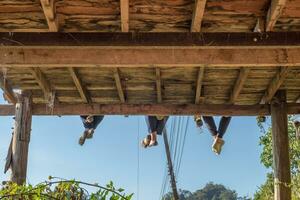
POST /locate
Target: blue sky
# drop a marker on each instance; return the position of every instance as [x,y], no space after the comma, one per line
[113,155]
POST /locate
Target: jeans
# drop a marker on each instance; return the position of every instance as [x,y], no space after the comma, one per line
[95,122]
[210,124]
[155,125]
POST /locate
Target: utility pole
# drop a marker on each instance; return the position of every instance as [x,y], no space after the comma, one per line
[170,166]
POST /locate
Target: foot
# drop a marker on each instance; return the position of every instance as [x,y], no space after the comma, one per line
[89,133]
[146,141]
[153,143]
[83,137]
[217,145]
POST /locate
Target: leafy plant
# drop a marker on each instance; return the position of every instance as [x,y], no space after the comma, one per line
[61,189]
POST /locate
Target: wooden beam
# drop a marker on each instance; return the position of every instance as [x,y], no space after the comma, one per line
[82,90]
[260,25]
[198,15]
[146,57]
[274,12]
[20,141]
[158,85]
[124,11]
[7,90]
[50,14]
[42,81]
[152,109]
[297,99]
[119,84]
[239,84]
[153,39]
[275,85]
[199,85]
[280,138]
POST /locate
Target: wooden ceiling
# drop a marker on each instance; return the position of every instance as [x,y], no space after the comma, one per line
[239,81]
[148,15]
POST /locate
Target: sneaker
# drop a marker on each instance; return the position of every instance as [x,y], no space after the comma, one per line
[217,145]
[146,141]
[89,133]
[153,143]
[83,137]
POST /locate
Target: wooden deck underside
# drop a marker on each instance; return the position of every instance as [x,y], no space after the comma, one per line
[145,15]
[178,85]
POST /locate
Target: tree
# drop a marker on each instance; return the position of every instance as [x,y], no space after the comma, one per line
[266,190]
[211,191]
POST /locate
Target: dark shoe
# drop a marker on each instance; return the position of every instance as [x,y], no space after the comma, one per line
[83,137]
[153,143]
[90,133]
[146,141]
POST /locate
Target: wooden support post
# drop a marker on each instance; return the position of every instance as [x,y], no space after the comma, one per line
[50,14]
[274,13]
[282,173]
[239,84]
[9,94]
[170,166]
[124,10]
[81,89]
[42,81]
[21,137]
[198,15]
[119,85]
[199,85]
[158,85]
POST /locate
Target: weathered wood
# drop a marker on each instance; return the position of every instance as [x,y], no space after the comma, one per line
[212,40]
[198,15]
[124,4]
[50,14]
[297,99]
[260,25]
[42,81]
[274,12]
[199,85]
[158,85]
[119,85]
[280,139]
[21,139]
[152,109]
[275,84]
[7,90]
[146,57]
[81,89]
[238,86]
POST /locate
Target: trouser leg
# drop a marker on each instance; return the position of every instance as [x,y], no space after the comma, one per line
[224,122]
[97,121]
[151,123]
[85,124]
[210,124]
[161,125]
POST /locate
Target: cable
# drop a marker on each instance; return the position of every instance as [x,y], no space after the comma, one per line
[138,161]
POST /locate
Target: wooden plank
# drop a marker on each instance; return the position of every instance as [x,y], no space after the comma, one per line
[146,57]
[42,81]
[50,14]
[124,11]
[82,90]
[280,139]
[274,12]
[297,99]
[184,39]
[238,86]
[20,140]
[198,15]
[199,85]
[275,84]
[119,85]
[152,109]
[158,85]
[7,90]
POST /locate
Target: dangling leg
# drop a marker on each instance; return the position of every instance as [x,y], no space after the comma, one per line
[96,121]
[219,142]
[211,126]
[160,126]
[297,127]
[87,123]
[151,122]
